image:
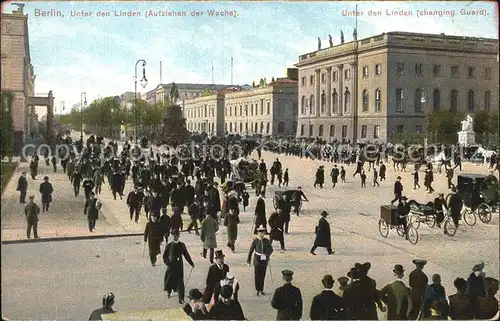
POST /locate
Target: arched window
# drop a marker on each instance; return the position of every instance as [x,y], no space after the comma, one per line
[335,102]
[454,100]
[436,99]
[241,110]
[347,100]
[470,101]
[418,100]
[365,100]
[487,101]
[378,95]
[323,102]
[311,104]
[281,127]
[303,105]
[268,127]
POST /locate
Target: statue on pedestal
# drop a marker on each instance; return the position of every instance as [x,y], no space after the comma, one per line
[468,124]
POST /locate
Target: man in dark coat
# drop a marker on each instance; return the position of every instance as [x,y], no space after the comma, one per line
[76,178]
[439,207]
[227,308]
[475,283]
[418,283]
[214,197]
[287,299]
[165,224]
[320,177]
[297,199]
[194,214]
[327,305]
[276,224]
[260,213]
[107,303]
[116,183]
[153,234]
[88,186]
[284,209]
[174,276]
[403,210]
[334,175]
[91,210]
[323,235]
[22,187]
[134,202]
[435,292]
[396,296]
[398,190]
[46,190]
[461,306]
[31,211]
[188,192]
[261,249]
[455,205]
[216,273]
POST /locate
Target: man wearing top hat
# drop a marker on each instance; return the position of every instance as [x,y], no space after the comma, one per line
[216,273]
[323,235]
[327,305]
[396,296]
[46,190]
[398,190]
[418,282]
[287,299]
[22,187]
[261,249]
[174,276]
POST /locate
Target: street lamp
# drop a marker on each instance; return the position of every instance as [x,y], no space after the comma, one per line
[83,101]
[144,83]
[62,107]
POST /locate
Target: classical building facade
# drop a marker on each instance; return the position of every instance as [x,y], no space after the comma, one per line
[368,90]
[267,110]
[186,91]
[205,114]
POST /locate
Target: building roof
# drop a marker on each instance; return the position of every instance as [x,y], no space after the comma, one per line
[192,86]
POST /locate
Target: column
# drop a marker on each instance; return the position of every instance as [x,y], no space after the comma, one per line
[354,101]
[329,91]
[340,90]
[317,98]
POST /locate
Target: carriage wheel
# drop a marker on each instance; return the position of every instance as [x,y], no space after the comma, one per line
[430,220]
[450,228]
[400,229]
[414,220]
[412,235]
[383,228]
[484,213]
[469,217]
[275,202]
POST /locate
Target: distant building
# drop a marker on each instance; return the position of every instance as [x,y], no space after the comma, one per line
[399,77]
[205,114]
[127,99]
[186,91]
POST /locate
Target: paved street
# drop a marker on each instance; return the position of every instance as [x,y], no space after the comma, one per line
[31,272]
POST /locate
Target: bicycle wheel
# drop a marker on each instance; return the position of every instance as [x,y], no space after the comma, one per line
[412,235]
[469,217]
[450,228]
[430,220]
[383,228]
[400,229]
[484,213]
[448,198]
[414,220]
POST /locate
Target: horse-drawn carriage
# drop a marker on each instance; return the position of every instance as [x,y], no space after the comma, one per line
[244,170]
[389,219]
[479,194]
[287,195]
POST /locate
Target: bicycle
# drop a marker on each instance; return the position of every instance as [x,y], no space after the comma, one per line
[449,226]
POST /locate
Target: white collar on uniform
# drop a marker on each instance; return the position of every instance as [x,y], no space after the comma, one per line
[331,290]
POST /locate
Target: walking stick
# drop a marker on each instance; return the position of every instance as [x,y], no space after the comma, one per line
[189,276]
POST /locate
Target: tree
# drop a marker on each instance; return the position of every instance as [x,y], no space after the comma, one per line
[7,142]
[174,127]
[486,127]
[444,126]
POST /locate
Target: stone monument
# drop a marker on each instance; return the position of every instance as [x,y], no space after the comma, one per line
[467,136]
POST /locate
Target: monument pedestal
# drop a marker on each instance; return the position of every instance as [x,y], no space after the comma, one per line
[466,138]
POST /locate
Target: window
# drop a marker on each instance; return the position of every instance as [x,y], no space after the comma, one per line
[251,110]
[311,104]
[344,131]
[365,71]
[246,127]
[230,127]
[376,131]
[347,74]
[332,130]
[268,127]
[303,105]
[419,129]
[454,71]
[302,130]
[241,110]
[487,101]
[335,76]
[487,73]
[470,101]
[418,100]
[419,70]
[399,129]
[323,78]
[268,107]
[320,130]
[281,127]
[323,102]
[246,109]
[365,100]
[230,111]
[453,100]
[436,70]
[400,98]
[377,99]
[311,80]
[261,127]
[261,108]
[311,130]
[241,127]
[378,69]
[335,101]
[347,101]
[436,101]
[256,127]
[400,68]
[304,81]
[364,128]
[470,72]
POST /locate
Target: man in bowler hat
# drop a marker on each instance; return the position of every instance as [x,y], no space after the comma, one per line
[323,235]
[396,296]
[287,299]
[327,305]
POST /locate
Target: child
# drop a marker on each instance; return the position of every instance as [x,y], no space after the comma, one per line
[342,174]
[363,178]
[286,178]
[245,197]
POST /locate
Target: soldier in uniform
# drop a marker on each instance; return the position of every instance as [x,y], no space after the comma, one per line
[22,187]
[216,273]
[323,235]
[46,190]
[154,236]
[261,249]
[31,211]
[418,283]
[287,299]
[174,276]
[327,305]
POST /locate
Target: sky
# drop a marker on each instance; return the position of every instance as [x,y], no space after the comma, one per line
[97,54]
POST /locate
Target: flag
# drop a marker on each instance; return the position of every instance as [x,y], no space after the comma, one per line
[355,34]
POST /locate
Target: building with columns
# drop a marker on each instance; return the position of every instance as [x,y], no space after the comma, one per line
[205,114]
[385,84]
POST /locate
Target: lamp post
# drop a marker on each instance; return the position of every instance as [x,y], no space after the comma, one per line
[423,100]
[83,101]
[62,107]
[144,83]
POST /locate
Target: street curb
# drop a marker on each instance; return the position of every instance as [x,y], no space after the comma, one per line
[69,238]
